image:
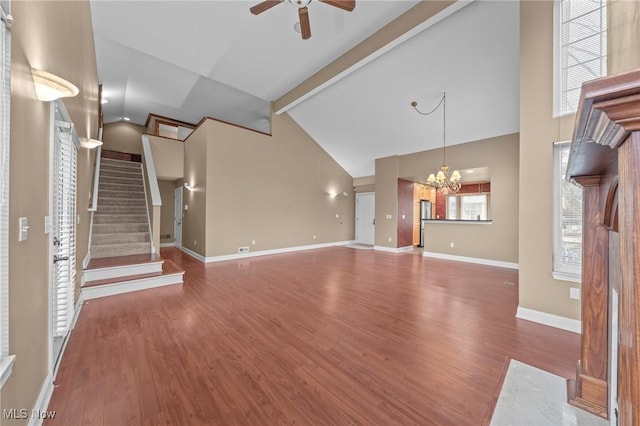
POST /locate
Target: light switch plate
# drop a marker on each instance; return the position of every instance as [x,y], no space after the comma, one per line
[23,229]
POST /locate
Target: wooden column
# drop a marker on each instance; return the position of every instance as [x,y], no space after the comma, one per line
[629,309]
[606,142]
[589,389]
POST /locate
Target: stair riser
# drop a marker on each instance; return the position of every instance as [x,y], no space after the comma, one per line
[99,252]
[107,201]
[122,210]
[121,271]
[124,166]
[122,180]
[106,171]
[109,218]
[122,187]
[122,194]
[119,163]
[102,239]
[127,287]
[116,228]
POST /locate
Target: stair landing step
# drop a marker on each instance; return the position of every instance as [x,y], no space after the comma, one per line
[168,267]
[135,259]
[171,275]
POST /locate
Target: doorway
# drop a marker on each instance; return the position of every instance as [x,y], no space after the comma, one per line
[63,157]
[366,218]
[177,217]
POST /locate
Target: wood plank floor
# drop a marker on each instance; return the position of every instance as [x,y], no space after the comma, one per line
[332,336]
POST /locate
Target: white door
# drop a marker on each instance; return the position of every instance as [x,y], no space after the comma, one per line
[365,218]
[64,146]
[177,217]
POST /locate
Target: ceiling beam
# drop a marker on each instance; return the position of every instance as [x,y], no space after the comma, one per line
[412,22]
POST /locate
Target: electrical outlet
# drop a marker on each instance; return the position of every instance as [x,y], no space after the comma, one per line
[451,244]
[195,243]
[314,237]
[390,239]
[337,215]
[253,242]
[243,249]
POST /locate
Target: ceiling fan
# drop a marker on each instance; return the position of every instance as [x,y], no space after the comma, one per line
[303,12]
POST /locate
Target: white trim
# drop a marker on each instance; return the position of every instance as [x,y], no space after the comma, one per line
[154,189]
[566,277]
[6,367]
[42,403]
[458,222]
[95,292]
[223,258]
[480,261]
[173,244]
[376,54]
[193,254]
[122,271]
[393,249]
[551,320]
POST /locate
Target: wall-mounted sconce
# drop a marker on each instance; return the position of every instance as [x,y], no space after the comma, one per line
[90,143]
[50,87]
[333,194]
[189,187]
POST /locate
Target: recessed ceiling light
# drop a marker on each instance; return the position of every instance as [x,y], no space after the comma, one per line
[104,101]
[126,118]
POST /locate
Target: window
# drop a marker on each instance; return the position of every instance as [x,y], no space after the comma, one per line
[6,361]
[581,49]
[567,217]
[467,207]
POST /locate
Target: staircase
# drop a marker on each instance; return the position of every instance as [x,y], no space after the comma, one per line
[122,259]
[120,225]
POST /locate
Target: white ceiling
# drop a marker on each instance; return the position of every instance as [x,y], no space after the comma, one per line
[188,60]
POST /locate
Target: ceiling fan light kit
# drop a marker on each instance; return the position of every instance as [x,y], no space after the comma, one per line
[303,12]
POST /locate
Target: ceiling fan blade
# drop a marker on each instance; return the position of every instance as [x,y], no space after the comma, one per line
[264,6]
[347,5]
[305,27]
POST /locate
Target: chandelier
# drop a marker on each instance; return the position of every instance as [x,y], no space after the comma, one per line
[441,180]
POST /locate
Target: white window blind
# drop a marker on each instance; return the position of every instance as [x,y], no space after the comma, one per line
[581,49]
[64,227]
[5,118]
[567,219]
[467,206]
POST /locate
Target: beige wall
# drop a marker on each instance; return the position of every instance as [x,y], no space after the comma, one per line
[123,137]
[623,48]
[272,189]
[168,157]
[167,193]
[497,241]
[57,37]
[195,167]
[538,130]
[386,190]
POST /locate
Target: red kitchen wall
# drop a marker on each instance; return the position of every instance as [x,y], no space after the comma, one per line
[405,207]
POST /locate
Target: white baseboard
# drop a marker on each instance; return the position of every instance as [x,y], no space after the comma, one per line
[167,244]
[42,403]
[549,319]
[489,262]
[393,249]
[87,259]
[192,253]
[223,258]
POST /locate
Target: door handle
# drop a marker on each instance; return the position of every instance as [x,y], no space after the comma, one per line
[57,259]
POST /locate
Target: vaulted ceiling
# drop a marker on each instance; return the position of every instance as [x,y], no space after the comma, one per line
[188,59]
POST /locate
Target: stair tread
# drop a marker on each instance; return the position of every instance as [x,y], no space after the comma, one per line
[168,268]
[113,261]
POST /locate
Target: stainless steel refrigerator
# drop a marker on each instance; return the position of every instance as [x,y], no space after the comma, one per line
[425,214]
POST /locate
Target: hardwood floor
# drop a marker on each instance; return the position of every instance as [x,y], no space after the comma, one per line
[332,336]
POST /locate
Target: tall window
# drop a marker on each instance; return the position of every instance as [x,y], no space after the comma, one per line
[567,216]
[6,361]
[581,49]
